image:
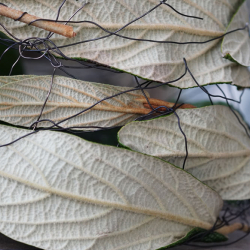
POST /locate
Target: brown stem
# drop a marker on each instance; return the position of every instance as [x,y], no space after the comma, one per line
[156,103]
[61,29]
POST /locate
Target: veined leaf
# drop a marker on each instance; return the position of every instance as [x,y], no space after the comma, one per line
[240,76]
[218,147]
[22,100]
[154,61]
[61,192]
[236,46]
[209,68]
[9,79]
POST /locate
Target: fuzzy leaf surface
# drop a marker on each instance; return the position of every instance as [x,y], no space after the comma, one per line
[218,147]
[9,79]
[61,192]
[207,69]
[237,45]
[22,98]
[160,62]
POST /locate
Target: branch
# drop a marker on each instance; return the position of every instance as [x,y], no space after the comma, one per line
[61,29]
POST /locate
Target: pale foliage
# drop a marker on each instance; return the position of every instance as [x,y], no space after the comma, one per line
[241,76]
[237,45]
[161,62]
[14,78]
[209,68]
[61,192]
[10,79]
[218,147]
[22,98]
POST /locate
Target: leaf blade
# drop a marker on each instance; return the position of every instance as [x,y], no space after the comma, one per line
[148,60]
[22,100]
[219,149]
[93,185]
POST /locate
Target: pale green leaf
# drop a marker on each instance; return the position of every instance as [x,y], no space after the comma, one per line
[236,46]
[22,99]
[58,191]
[218,147]
[161,62]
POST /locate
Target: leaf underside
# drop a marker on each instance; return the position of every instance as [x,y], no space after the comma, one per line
[237,45]
[109,198]
[159,62]
[22,98]
[209,238]
[218,147]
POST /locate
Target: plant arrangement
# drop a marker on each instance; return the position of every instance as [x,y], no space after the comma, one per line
[174,164]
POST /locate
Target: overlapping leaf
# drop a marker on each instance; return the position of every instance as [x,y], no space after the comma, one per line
[236,46]
[22,99]
[208,68]
[218,147]
[161,62]
[240,76]
[58,191]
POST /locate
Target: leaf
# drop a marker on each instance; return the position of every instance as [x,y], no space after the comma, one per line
[218,147]
[22,100]
[9,79]
[209,69]
[61,192]
[160,62]
[236,46]
[241,76]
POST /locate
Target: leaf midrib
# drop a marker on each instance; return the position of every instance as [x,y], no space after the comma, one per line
[127,110]
[135,209]
[242,153]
